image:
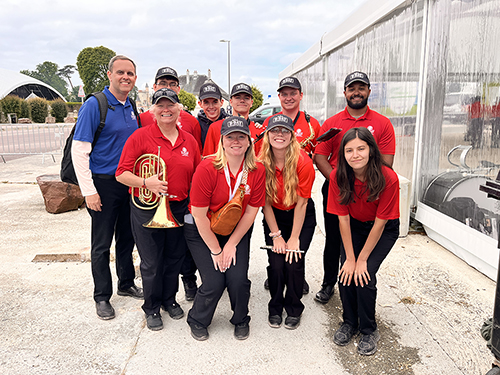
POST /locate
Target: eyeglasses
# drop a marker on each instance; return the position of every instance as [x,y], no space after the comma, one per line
[172,85]
[281,130]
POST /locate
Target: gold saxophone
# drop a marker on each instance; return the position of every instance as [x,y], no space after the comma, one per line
[309,139]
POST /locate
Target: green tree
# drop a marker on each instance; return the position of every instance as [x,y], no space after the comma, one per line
[187,99]
[66,72]
[92,64]
[25,109]
[134,93]
[58,109]
[258,98]
[48,72]
[39,109]
[11,104]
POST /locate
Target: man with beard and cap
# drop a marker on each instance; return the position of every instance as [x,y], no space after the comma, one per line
[210,101]
[356,114]
[241,102]
[167,78]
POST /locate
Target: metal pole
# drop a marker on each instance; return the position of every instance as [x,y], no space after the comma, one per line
[228,64]
[229,67]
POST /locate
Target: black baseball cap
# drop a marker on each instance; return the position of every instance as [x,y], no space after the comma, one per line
[165,93]
[356,77]
[234,124]
[167,72]
[280,120]
[209,90]
[292,82]
[241,88]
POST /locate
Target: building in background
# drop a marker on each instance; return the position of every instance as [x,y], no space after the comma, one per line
[15,83]
[435,72]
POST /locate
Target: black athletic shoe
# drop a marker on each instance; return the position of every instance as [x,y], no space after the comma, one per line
[292,322]
[154,322]
[344,334]
[368,343]
[174,310]
[242,331]
[198,332]
[275,321]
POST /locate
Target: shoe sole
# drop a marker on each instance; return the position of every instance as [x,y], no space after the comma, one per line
[321,300]
[106,317]
[242,337]
[274,325]
[176,317]
[292,327]
[159,328]
[369,353]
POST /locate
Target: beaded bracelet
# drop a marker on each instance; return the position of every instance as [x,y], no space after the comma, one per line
[276,237]
[217,253]
[275,234]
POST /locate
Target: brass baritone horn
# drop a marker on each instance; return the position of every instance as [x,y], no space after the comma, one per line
[148,165]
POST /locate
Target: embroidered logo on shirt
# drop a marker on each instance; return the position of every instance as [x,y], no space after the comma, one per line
[132,115]
[185,152]
[247,189]
[179,124]
[370,128]
[299,133]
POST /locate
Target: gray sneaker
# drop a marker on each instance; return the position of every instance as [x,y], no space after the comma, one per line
[344,334]
[368,343]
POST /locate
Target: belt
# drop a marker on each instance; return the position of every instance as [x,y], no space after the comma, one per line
[104,176]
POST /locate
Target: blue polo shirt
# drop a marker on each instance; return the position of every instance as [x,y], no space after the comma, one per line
[120,124]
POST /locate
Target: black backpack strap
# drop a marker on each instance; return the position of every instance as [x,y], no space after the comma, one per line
[103,110]
[134,107]
[308,117]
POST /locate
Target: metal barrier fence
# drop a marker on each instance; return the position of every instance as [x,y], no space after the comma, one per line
[33,139]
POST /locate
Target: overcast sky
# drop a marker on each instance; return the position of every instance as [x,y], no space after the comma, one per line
[266,36]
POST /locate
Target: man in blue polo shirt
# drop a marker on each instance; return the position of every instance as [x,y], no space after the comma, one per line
[107,200]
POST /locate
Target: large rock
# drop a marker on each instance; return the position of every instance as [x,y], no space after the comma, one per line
[59,196]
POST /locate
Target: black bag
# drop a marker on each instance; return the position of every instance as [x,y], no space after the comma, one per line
[67,169]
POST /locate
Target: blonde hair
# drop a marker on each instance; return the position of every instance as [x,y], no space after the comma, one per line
[290,177]
[220,159]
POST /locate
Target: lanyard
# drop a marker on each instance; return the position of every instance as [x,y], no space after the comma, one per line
[232,192]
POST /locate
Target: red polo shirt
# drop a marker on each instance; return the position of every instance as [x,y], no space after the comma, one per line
[180,159]
[210,188]
[213,136]
[305,171]
[386,207]
[379,125]
[186,122]
[302,131]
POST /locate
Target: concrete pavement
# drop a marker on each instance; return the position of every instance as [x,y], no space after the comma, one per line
[430,308]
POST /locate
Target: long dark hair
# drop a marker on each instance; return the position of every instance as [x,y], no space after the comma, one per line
[375,180]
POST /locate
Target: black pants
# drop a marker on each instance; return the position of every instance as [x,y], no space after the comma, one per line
[113,220]
[282,274]
[162,252]
[359,302]
[235,279]
[188,269]
[331,253]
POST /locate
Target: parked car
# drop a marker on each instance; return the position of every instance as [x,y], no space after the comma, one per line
[263,112]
